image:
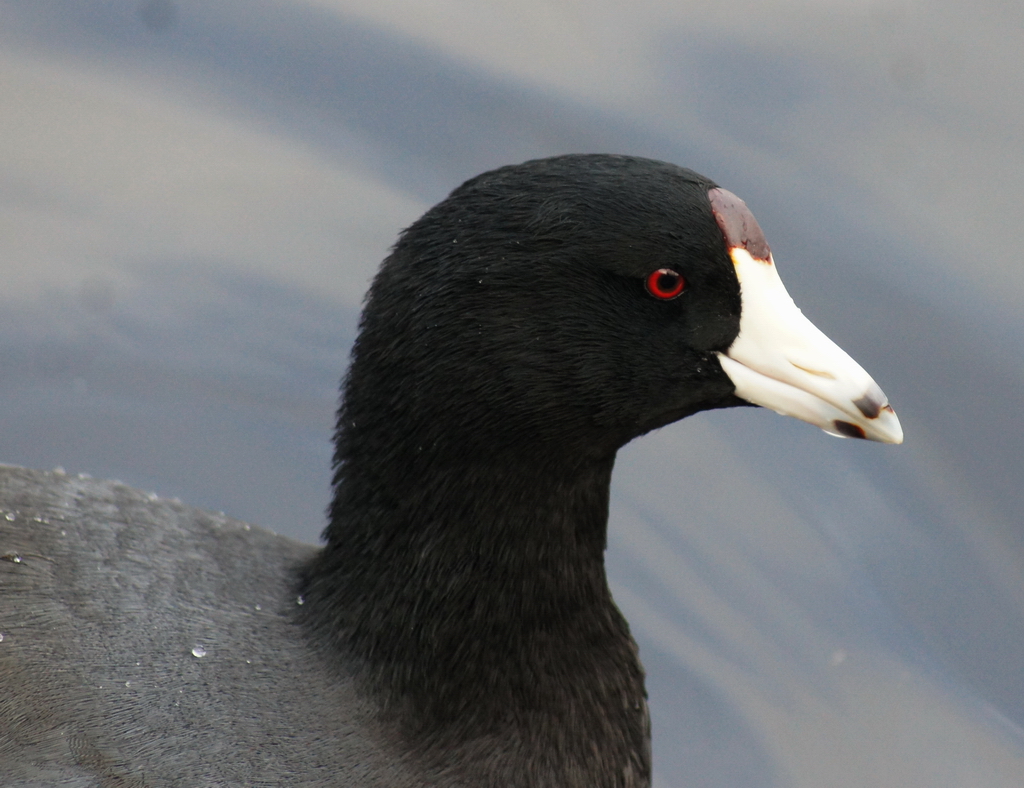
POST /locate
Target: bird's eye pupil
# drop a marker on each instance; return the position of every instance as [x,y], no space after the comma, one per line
[665,284]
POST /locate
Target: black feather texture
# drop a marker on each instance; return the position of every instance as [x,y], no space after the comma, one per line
[507,350]
[457,629]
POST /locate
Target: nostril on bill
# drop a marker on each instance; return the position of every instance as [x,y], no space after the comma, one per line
[816,372]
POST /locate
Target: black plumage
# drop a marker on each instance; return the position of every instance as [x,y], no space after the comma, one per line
[457,628]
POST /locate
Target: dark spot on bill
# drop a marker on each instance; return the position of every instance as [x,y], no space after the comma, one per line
[847,429]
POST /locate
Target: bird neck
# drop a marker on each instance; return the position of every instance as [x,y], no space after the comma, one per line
[477,606]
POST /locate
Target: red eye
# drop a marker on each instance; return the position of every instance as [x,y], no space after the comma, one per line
[665,284]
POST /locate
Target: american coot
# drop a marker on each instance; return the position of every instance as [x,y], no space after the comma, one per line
[457,628]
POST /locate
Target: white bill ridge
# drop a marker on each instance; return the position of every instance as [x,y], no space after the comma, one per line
[782,361]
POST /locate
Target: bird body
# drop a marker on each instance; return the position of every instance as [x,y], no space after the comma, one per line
[457,628]
[151,643]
